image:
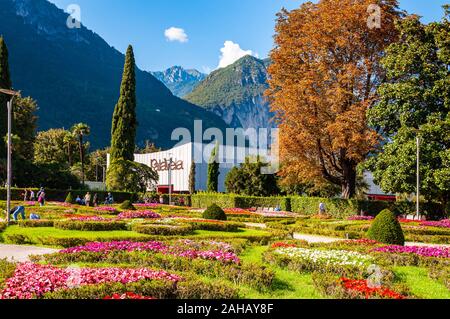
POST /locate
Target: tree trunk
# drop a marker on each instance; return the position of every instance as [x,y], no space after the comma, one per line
[349,180]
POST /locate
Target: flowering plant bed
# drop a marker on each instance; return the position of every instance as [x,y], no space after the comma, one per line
[163,230]
[32,280]
[445,223]
[362,287]
[356,217]
[127,295]
[91,225]
[179,249]
[147,205]
[106,209]
[282,245]
[325,257]
[138,214]
[424,251]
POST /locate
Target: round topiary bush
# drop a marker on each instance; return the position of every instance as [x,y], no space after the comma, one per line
[386,229]
[69,198]
[214,212]
[127,205]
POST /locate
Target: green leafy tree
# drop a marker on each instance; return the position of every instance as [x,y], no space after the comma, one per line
[5,83]
[248,180]
[95,163]
[49,147]
[415,102]
[213,170]
[70,142]
[81,131]
[130,176]
[24,127]
[192,178]
[124,121]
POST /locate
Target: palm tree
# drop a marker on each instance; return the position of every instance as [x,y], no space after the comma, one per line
[69,141]
[80,130]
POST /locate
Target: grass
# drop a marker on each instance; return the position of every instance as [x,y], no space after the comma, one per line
[421,284]
[287,284]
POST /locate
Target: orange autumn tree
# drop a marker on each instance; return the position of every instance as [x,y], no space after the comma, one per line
[324,75]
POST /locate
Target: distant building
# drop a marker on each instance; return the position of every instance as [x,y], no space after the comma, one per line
[374,192]
[182,158]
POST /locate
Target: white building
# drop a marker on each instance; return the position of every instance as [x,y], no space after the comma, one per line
[182,158]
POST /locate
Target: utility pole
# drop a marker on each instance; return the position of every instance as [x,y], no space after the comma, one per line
[9,158]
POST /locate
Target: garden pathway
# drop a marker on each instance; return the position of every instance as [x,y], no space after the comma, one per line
[21,253]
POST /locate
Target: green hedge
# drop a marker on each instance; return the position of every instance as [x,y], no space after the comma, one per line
[36,223]
[60,195]
[90,225]
[163,230]
[203,200]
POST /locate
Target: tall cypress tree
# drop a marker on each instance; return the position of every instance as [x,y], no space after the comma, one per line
[5,83]
[192,178]
[124,122]
[213,170]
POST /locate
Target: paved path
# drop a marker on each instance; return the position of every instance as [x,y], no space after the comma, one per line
[21,253]
[256,225]
[324,239]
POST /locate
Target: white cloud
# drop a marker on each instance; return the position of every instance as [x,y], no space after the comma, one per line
[176,34]
[231,52]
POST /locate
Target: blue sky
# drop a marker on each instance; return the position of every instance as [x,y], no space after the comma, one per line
[207,24]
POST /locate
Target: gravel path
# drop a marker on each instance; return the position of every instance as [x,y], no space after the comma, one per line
[21,253]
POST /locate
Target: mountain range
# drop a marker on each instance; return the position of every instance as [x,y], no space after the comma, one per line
[75,77]
[180,81]
[236,94]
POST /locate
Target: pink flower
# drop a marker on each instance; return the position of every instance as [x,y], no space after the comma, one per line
[33,280]
[223,252]
[138,214]
[425,251]
[445,223]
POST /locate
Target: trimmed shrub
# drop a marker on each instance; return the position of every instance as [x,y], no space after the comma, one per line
[226,227]
[90,225]
[2,226]
[386,229]
[214,212]
[127,205]
[163,230]
[69,198]
[36,223]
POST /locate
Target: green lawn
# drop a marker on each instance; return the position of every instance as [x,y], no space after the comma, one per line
[421,285]
[287,284]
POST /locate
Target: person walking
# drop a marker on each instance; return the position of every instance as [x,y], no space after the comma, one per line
[95,200]
[16,211]
[322,209]
[25,195]
[87,199]
[41,197]
[32,196]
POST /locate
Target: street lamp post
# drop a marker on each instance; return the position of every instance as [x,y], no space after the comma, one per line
[418,177]
[9,161]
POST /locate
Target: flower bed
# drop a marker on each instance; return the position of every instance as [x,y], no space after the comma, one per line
[445,223]
[32,280]
[325,257]
[424,251]
[148,205]
[128,295]
[106,209]
[282,245]
[94,225]
[138,214]
[362,287]
[180,250]
[357,217]
[163,230]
